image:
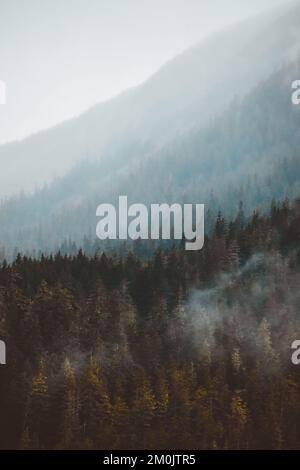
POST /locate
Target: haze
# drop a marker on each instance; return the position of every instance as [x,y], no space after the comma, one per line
[60,57]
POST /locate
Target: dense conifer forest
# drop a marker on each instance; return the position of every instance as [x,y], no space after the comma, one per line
[178,350]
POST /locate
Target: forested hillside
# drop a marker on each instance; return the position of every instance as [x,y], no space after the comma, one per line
[186,350]
[249,153]
[186,92]
[142,344]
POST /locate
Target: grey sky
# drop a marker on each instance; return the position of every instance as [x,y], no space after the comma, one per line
[58,57]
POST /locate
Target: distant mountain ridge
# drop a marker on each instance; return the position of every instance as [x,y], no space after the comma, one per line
[185,93]
[250,153]
[247,150]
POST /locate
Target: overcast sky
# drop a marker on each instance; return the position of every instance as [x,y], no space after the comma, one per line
[59,57]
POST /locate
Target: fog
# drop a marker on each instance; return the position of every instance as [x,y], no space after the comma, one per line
[216,125]
[247,305]
[60,57]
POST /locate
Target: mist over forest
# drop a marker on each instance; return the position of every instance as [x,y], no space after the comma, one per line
[141,344]
[215,123]
[249,154]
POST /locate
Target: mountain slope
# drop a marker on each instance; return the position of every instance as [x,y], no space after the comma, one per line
[185,93]
[249,153]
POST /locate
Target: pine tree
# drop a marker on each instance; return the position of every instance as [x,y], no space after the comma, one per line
[38,407]
[70,409]
[95,406]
